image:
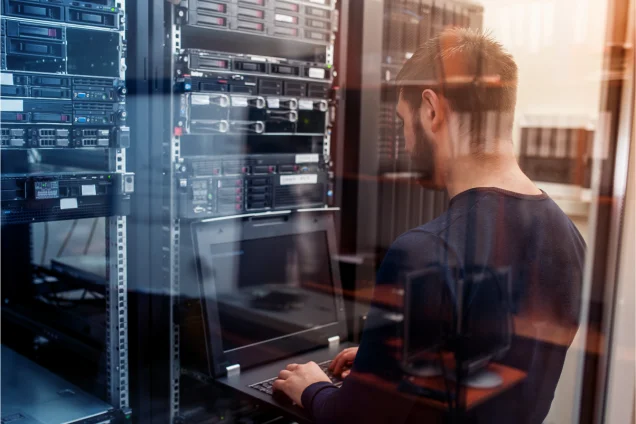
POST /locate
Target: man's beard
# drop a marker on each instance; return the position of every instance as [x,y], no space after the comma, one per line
[423,155]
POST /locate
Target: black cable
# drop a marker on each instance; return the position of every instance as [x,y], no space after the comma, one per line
[90,236]
[45,243]
[67,239]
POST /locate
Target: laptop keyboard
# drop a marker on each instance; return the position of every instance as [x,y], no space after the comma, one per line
[267,385]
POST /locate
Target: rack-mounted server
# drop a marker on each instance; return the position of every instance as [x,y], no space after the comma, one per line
[38,197]
[310,22]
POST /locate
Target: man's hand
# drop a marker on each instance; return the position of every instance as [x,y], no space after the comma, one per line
[294,379]
[341,364]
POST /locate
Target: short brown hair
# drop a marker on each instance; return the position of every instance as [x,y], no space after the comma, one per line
[468,67]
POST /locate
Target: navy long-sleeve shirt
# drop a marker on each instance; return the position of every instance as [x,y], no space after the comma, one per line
[484,228]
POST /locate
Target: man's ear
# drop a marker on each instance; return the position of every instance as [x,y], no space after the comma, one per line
[433,109]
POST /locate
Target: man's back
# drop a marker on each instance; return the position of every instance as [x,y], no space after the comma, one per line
[484,228]
[528,235]
[495,228]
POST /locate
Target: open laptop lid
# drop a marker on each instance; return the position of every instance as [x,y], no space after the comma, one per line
[270,287]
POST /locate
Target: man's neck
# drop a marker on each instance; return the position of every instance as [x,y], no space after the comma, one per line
[499,170]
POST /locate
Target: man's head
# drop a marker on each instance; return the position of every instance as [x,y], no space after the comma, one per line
[457,97]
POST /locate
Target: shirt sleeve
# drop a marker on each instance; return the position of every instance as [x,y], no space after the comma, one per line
[356,400]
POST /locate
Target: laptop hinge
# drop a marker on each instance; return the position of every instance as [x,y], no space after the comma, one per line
[233,370]
[334,341]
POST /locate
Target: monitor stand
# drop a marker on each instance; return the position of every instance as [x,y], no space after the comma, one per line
[422,369]
[483,379]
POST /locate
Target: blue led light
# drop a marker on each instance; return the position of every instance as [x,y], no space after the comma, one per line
[330,193]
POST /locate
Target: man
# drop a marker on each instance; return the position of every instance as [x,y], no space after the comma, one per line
[457,100]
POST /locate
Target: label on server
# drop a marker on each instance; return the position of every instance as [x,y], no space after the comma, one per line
[299,179]
[68,203]
[6,79]
[239,101]
[89,190]
[273,103]
[200,99]
[308,158]
[11,105]
[286,18]
[316,73]
[305,105]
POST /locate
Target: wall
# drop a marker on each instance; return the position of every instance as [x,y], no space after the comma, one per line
[558,46]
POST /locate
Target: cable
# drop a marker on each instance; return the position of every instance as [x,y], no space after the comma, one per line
[449,393]
[90,236]
[45,243]
[67,239]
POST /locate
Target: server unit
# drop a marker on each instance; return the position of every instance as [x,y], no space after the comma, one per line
[312,21]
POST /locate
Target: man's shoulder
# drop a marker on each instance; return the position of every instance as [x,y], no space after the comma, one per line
[429,233]
[419,241]
[418,235]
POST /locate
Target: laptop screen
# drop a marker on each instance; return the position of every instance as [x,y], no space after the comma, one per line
[271,287]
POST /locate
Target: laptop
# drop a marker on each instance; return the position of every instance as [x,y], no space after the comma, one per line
[271,295]
[32,394]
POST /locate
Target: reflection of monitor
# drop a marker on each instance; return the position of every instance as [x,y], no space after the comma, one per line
[470,316]
[428,321]
[484,331]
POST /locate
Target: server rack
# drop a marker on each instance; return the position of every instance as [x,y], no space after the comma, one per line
[293,74]
[402,196]
[64,141]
